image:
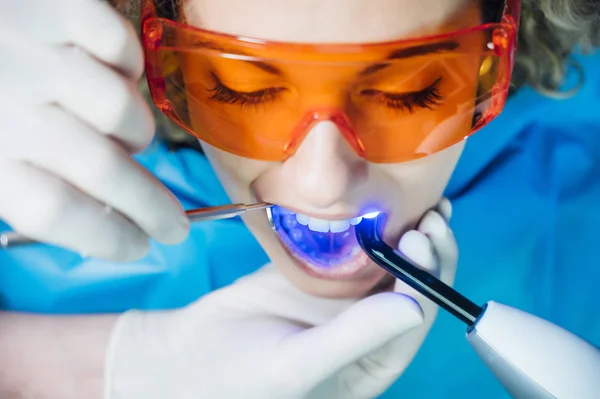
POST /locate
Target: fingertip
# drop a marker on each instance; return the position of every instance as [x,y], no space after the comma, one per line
[136,127]
[414,314]
[128,243]
[130,248]
[146,121]
[378,318]
[164,218]
[444,207]
[413,239]
[176,233]
[442,238]
[402,311]
[125,253]
[417,247]
[433,224]
[136,252]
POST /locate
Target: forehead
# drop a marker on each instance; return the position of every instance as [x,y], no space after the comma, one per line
[324,21]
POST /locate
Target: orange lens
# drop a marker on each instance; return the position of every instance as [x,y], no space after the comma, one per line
[393,102]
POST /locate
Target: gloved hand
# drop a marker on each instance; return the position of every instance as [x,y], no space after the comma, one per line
[263,338]
[70,118]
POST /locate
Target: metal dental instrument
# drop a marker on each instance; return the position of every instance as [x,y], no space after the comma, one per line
[224,211]
[11,239]
[531,357]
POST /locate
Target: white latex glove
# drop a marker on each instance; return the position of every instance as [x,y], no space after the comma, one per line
[70,118]
[262,338]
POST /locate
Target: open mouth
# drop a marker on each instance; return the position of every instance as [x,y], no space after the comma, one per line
[326,248]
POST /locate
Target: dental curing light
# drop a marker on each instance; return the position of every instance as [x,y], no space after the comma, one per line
[531,357]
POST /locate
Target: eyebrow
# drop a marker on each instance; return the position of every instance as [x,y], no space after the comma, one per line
[408,52]
[273,70]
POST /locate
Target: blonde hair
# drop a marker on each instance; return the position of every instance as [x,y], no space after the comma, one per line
[550,32]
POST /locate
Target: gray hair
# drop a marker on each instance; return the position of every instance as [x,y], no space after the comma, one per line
[551,30]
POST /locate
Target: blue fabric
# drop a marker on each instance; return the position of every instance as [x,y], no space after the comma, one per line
[52,280]
[526,199]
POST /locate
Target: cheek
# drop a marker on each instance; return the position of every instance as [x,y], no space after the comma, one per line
[422,182]
[435,171]
[235,173]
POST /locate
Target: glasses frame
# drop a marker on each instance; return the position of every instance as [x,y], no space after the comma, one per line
[507,29]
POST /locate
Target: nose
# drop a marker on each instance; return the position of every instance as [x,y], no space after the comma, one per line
[324,169]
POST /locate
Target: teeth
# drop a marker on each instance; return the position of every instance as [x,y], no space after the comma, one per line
[302,219]
[355,221]
[319,225]
[337,226]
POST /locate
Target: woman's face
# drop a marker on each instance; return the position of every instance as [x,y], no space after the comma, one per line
[325,183]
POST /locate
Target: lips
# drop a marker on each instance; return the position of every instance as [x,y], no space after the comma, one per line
[323,248]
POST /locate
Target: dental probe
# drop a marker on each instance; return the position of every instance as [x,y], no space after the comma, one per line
[11,239]
[531,357]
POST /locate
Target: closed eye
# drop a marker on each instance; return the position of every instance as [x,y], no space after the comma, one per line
[428,98]
[224,94]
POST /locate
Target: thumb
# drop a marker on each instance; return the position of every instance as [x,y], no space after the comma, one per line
[320,352]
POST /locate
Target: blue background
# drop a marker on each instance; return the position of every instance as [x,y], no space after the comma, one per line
[526,198]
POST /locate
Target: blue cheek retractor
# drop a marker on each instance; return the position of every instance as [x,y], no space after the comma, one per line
[321,249]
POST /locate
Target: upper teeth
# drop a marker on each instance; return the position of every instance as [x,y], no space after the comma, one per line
[324,226]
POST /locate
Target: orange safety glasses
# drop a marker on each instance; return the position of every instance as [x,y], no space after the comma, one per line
[392,101]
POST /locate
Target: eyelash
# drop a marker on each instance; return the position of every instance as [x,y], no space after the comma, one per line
[224,94]
[429,98]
